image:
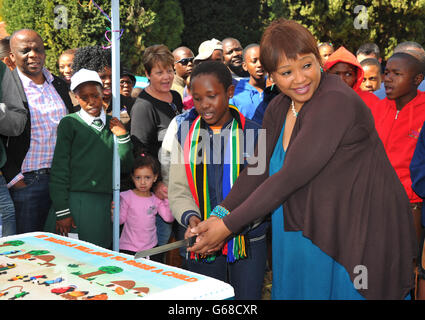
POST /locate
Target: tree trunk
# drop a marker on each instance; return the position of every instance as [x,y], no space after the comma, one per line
[92,274]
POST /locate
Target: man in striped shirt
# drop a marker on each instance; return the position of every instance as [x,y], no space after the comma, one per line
[29,155]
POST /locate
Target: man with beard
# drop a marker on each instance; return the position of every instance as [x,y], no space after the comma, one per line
[30,154]
[232,54]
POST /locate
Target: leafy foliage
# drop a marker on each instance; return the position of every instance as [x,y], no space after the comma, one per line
[65,24]
[385,22]
[344,22]
[190,22]
[206,19]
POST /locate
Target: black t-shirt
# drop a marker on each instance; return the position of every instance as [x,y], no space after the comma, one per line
[150,119]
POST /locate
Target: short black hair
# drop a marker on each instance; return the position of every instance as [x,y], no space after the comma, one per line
[252,45]
[92,58]
[230,39]
[4,47]
[412,61]
[370,62]
[216,68]
[407,45]
[369,48]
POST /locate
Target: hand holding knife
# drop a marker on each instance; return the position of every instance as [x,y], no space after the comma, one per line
[167,247]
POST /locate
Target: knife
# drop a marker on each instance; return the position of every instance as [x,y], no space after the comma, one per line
[166,247]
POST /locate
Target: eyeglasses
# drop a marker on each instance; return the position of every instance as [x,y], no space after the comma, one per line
[185,61]
[127,83]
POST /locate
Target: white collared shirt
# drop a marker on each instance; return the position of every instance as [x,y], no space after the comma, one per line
[87,118]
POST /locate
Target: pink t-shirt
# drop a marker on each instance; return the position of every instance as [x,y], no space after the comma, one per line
[138,216]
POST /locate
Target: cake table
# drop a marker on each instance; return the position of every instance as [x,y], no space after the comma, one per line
[46,266]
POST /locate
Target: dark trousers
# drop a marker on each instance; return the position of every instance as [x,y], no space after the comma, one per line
[32,203]
[7,210]
[246,276]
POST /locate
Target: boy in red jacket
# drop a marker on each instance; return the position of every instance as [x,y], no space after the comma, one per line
[345,65]
[399,119]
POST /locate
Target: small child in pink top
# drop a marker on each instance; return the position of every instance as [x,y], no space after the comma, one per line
[139,206]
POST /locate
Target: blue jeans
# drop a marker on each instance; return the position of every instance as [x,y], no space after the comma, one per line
[163,233]
[32,203]
[163,230]
[246,276]
[7,210]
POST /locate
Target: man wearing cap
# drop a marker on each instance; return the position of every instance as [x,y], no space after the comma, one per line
[232,55]
[29,155]
[183,64]
[210,50]
[127,83]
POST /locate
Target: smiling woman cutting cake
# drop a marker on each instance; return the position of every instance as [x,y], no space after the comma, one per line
[339,212]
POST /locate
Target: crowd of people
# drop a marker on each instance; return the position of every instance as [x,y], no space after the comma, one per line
[313,149]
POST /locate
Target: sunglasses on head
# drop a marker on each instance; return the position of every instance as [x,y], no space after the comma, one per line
[185,61]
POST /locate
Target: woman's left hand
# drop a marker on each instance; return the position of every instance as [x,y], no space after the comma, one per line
[212,234]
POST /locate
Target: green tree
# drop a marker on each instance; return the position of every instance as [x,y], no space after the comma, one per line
[13,243]
[65,24]
[24,15]
[30,254]
[37,252]
[352,23]
[102,270]
[206,19]
[166,22]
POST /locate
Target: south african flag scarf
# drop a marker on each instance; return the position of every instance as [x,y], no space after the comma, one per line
[197,176]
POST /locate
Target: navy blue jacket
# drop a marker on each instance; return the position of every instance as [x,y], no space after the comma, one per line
[417,170]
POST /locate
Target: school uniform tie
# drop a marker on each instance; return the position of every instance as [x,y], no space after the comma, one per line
[97,124]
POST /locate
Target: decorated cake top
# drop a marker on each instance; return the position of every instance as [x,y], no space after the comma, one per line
[45,266]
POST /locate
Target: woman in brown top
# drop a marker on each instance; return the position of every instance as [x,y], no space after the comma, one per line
[341,221]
